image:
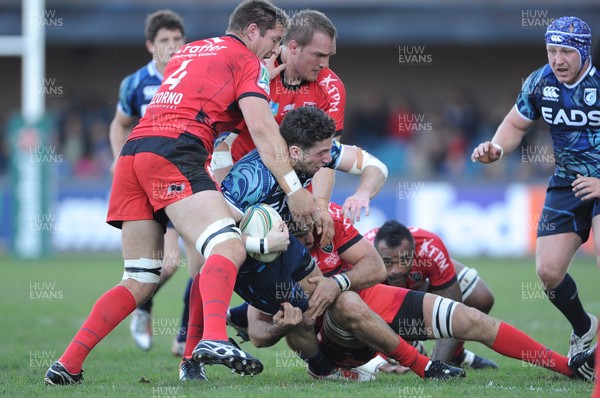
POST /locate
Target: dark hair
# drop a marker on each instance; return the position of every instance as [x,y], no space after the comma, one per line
[261,12]
[305,126]
[166,19]
[393,234]
[304,24]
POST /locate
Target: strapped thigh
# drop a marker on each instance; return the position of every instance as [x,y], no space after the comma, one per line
[441,318]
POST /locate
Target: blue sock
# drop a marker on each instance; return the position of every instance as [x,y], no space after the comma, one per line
[566,298]
[319,364]
[147,306]
[239,315]
[185,316]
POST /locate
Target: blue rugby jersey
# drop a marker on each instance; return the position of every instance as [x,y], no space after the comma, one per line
[573,114]
[250,182]
[137,90]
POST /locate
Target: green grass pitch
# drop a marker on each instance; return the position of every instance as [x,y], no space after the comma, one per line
[43,303]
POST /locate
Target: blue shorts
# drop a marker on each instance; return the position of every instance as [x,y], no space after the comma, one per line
[564,212]
[266,285]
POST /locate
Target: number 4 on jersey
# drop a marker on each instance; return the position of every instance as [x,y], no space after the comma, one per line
[176,76]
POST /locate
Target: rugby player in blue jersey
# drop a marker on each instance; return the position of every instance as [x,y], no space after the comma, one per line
[165,34]
[564,92]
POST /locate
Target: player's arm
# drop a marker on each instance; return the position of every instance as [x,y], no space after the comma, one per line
[373,174]
[221,160]
[265,134]
[266,330]
[322,186]
[119,130]
[368,270]
[508,136]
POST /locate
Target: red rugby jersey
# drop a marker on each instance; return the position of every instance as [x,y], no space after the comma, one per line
[327,93]
[328,258]
[431,261]
[203,83]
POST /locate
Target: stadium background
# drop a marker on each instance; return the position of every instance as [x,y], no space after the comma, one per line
[425,82]
[421,118]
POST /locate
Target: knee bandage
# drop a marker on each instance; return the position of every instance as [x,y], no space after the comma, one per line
[441,318]
[467,279]
[217,232]
[144,270]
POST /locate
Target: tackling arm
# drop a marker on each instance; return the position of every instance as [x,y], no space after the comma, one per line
[373,174]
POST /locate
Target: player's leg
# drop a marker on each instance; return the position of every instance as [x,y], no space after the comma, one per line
[350,320]
[141,319]
[142,244]
[476,294]
[204,218]
[178,346]
[559,235]
[553,256]
[195,326]
[446,318]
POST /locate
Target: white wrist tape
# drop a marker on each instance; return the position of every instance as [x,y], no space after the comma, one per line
[342,281]
[221,160]
[498,147]
[293,182]
[256,245]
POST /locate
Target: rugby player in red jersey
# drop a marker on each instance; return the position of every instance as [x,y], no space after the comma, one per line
[351,334]
[210,86]
[432,269]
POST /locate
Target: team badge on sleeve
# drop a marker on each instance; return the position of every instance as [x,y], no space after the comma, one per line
[264,80]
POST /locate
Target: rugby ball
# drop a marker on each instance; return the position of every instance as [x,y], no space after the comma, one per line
[258,220]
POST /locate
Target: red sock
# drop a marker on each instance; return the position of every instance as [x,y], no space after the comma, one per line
[216,284]
[460,348]
[110,309]
[512,342]
[408,356]
[196,320]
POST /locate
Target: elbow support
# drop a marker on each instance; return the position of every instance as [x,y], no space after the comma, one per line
[365,159]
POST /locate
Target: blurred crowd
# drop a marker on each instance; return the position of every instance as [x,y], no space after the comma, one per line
[416,141]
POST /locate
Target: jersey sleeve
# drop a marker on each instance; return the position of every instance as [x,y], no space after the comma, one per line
[438,262]
[345,235]
[126,96]
[335,93]
[337,150]
[370,236]
[531,90]
[253,80]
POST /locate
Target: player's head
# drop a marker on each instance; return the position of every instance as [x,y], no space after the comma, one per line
[304,233]
[308,131]
[165,33]
[396,246]
[260,25]
[310,42]
[568,43]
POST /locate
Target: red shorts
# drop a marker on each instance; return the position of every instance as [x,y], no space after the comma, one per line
[384,300]
[153,172]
